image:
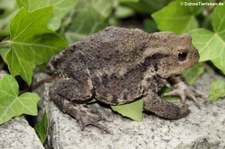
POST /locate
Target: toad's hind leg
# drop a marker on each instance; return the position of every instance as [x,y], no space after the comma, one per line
[64,93]
[163,108]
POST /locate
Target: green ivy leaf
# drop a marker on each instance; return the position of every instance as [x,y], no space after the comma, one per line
[41,128]
[176,17]
[90,16]
[12,105]
[31,42]
[60,9]
[127,1]
[217,90]
[123,12]
[132,110]
[211,45]
[149,26]
[144,6]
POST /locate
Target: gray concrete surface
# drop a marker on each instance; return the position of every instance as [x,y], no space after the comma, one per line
[18,134]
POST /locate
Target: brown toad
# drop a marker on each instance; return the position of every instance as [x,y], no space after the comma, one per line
[119,65]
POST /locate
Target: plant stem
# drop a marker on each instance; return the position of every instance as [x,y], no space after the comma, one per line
[5,42]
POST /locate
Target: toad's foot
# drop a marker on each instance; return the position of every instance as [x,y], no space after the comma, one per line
[64,95]
[86,116]
[185,91]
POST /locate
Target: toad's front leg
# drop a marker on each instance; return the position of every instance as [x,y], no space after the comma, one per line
[163,108]
[182,89]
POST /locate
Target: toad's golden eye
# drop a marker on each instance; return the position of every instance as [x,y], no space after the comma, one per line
[182,56]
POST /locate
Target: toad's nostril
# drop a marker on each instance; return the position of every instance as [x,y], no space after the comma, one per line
[196,54]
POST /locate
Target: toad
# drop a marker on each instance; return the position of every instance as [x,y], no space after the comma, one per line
[119,65]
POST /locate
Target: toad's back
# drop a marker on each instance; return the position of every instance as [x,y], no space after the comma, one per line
[110,50]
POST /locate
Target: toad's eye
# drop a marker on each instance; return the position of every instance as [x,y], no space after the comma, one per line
[182,56]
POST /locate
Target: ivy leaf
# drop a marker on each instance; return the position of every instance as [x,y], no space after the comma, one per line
[103,8]
[211,44]
[41,128]
[125,1]
[60,9]
[144,6]
[217,90]
[31,42]
[90,16]
[123,12]
[12,105]
[149,26]
[132,110]
[176,17]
